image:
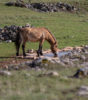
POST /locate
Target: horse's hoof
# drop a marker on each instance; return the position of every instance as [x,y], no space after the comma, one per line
[17,54]
[55,55]
[41,53]
[38,55]
[24,55]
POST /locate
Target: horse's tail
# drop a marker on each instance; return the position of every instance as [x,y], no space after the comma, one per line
[18,39]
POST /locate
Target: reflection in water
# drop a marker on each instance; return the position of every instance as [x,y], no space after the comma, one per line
[62,53]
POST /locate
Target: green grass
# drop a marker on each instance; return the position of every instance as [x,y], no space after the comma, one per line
[19,86]
[70,29]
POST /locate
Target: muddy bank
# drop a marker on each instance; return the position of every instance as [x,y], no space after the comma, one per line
[67,57]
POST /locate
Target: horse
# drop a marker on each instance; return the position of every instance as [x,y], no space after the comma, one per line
[35,35]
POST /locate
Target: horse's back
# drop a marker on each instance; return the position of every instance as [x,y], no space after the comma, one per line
[34,34]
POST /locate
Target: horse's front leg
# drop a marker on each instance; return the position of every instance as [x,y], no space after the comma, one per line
[23,48]
[39,52]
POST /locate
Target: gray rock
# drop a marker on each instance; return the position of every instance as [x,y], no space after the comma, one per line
[8,41]
[83,91]
[50,73]
[8,33]
[82,72]
[44,7]
[6,73]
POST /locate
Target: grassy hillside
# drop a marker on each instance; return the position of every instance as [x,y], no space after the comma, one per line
[70,29]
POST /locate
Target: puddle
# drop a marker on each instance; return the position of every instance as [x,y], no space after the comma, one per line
[62,53]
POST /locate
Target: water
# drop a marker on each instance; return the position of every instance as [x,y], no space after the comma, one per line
[62,53]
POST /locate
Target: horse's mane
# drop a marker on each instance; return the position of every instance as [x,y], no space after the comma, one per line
[52,35]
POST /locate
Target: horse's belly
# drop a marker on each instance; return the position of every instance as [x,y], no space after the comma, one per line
[33,39]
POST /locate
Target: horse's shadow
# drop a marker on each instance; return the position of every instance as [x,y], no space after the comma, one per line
[5,57]
[15,57]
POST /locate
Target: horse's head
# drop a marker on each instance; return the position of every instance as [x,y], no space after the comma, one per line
[54,49]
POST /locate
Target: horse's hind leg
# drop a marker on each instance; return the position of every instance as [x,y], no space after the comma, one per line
[17,48]
[23,48]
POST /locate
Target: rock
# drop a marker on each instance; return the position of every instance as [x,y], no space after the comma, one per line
[8,33]
[28,25]
[8,41]
[44,61]
[83,91]
[66,60]
[44,7]
[82,72]
[30,51]
[52,73]
[10,4]
[6,73]
[82,57]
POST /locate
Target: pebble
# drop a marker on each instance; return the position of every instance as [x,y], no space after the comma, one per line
[83,91]
[6,73]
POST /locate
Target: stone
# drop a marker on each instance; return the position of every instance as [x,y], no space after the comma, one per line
[51,73]
[6,73]
[82,72]
[54,73]
[83,91]
[10,4]
[8,41]
[8,33]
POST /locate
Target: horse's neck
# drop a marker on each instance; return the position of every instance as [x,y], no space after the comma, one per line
[51,40]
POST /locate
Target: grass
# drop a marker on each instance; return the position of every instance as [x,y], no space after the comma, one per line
[19,86]
[23,87]
[70,29]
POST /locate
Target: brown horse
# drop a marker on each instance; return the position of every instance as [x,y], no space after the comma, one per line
[34,35]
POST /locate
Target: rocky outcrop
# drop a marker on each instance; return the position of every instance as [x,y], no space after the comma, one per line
[8,33]
[44,7]
[53,7]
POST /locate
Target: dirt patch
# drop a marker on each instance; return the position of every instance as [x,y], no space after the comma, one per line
[11,60]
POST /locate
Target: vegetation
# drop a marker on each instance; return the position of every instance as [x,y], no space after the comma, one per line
[70,29]
[26,85]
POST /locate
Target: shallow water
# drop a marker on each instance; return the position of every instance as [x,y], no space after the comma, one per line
[62,53]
